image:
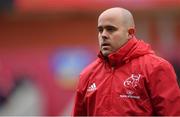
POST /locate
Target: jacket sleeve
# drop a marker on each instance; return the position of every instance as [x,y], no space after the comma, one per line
[79,106]
[164,90]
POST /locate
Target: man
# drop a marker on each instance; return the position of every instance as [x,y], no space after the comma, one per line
[127,78]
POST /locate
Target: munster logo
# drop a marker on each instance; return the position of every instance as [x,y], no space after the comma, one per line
[132,81]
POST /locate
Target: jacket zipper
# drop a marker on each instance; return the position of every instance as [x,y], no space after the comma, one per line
[111,90]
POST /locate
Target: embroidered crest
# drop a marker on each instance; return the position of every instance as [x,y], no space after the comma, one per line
[132,81]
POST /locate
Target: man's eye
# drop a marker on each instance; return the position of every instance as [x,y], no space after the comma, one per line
[100,29]
[110,29]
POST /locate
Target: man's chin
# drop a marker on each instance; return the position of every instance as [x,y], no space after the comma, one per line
[106,53]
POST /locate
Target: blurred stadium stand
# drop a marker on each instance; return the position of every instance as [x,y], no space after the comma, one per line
[46,43]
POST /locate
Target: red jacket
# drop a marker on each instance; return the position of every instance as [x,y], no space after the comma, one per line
[133,81]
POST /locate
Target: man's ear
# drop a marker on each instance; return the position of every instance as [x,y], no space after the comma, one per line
[131,31]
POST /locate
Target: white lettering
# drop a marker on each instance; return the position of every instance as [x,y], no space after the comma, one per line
[130,96]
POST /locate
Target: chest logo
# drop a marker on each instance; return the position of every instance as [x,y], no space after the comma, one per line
[92,87]
[132,81]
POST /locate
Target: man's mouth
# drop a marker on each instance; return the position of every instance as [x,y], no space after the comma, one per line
[105,46]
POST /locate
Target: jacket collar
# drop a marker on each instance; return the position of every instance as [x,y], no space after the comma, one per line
[121,55]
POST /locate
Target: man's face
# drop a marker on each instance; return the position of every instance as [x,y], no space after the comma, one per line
[112,34]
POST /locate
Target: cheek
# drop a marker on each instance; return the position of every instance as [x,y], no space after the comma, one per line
[118,41]
[99,37]
[99,40]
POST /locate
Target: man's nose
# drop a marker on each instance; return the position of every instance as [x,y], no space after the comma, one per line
[104,34]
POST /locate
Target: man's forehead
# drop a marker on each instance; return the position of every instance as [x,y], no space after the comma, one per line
[109,15]
[107,24]
[109,20]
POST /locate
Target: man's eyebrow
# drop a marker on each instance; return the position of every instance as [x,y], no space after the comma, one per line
[99,27]
[108,26]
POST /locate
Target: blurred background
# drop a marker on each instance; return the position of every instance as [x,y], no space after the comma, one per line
[44,44]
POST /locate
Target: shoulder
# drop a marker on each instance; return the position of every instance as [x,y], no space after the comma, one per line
[156,66]
[155,61]
[86,73]
[151,64]
[89,69]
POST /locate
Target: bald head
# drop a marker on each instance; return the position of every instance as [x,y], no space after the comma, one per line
[120,14]
[115,28]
